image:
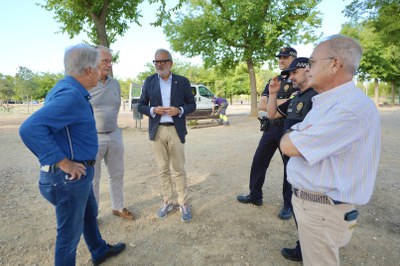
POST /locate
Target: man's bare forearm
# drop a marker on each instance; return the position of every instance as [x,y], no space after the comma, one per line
[287,146]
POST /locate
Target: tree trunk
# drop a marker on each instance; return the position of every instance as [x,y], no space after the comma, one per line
[100,23]
[253,85]
[376,82]
[393,91]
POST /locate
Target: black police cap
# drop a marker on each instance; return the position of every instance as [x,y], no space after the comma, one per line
[287,51]
[300,62]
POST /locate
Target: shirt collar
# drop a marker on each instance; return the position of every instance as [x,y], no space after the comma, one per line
[333,94]
[169,78]
[100,82]
[303,92]
[78,85]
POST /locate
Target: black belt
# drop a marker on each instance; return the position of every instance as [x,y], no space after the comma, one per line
[87,163]
[315,197]
[276,122]
[106,132]
[51,167]
[166,124]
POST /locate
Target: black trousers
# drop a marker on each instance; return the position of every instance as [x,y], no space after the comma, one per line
[267,146]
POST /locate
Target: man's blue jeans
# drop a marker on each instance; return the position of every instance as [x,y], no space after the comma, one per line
[76,212]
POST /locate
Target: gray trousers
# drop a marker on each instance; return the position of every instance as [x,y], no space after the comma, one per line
[111,152]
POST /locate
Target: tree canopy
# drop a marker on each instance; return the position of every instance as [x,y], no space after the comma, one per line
[384,16]
[101,20]
[378,30]
[6,87]
[227,32]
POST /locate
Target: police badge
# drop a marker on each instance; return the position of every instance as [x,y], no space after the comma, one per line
[299,106]
[286,87]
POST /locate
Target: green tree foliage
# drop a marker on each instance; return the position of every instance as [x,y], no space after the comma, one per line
[101,20]
[227,32]
[45,81]
[392,55]
[222,82]
[6,87]
[195,74]
[384,89]
[149,70]
[233,81]
[25,84]
[125,86]
[384,16]
[263,76]
[373,63]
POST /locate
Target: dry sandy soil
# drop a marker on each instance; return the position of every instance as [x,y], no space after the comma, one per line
[222,232]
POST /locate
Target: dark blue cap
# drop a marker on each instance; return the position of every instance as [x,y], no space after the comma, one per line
[287,51]
[300,62]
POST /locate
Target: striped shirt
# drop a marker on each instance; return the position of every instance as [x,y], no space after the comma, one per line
[340,144]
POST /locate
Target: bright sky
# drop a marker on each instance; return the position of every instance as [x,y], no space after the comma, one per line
[29,38]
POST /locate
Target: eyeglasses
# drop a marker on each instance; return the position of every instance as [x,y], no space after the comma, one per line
[161,62]
[313,60]
[106,61]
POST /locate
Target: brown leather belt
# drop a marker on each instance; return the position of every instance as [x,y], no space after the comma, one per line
[314,197]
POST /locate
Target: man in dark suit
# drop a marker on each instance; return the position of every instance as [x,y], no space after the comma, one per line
[166,99]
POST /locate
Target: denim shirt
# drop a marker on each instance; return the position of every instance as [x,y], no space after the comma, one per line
[64,127]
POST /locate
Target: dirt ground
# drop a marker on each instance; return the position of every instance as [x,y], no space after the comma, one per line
[222,232]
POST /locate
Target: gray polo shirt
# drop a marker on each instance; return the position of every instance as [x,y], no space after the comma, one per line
[106,101]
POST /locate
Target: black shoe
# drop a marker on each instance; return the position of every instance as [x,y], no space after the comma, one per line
[285,213]
[248,199]
[292,253]
[113,250]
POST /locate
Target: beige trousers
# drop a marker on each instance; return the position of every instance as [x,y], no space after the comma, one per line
[322,230]
[170,151]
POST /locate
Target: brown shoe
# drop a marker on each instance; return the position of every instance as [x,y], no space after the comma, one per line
[124,214]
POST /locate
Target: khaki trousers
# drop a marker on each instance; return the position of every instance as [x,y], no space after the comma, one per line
[322,230]
[170,151]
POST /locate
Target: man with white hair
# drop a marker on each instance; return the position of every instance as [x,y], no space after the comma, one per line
[106,101]
[62,134]
[334,153]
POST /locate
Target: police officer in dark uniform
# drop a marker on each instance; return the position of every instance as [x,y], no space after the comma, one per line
[272,133]
[294,110]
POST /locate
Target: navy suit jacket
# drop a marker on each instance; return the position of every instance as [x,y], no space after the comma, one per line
[181,96]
